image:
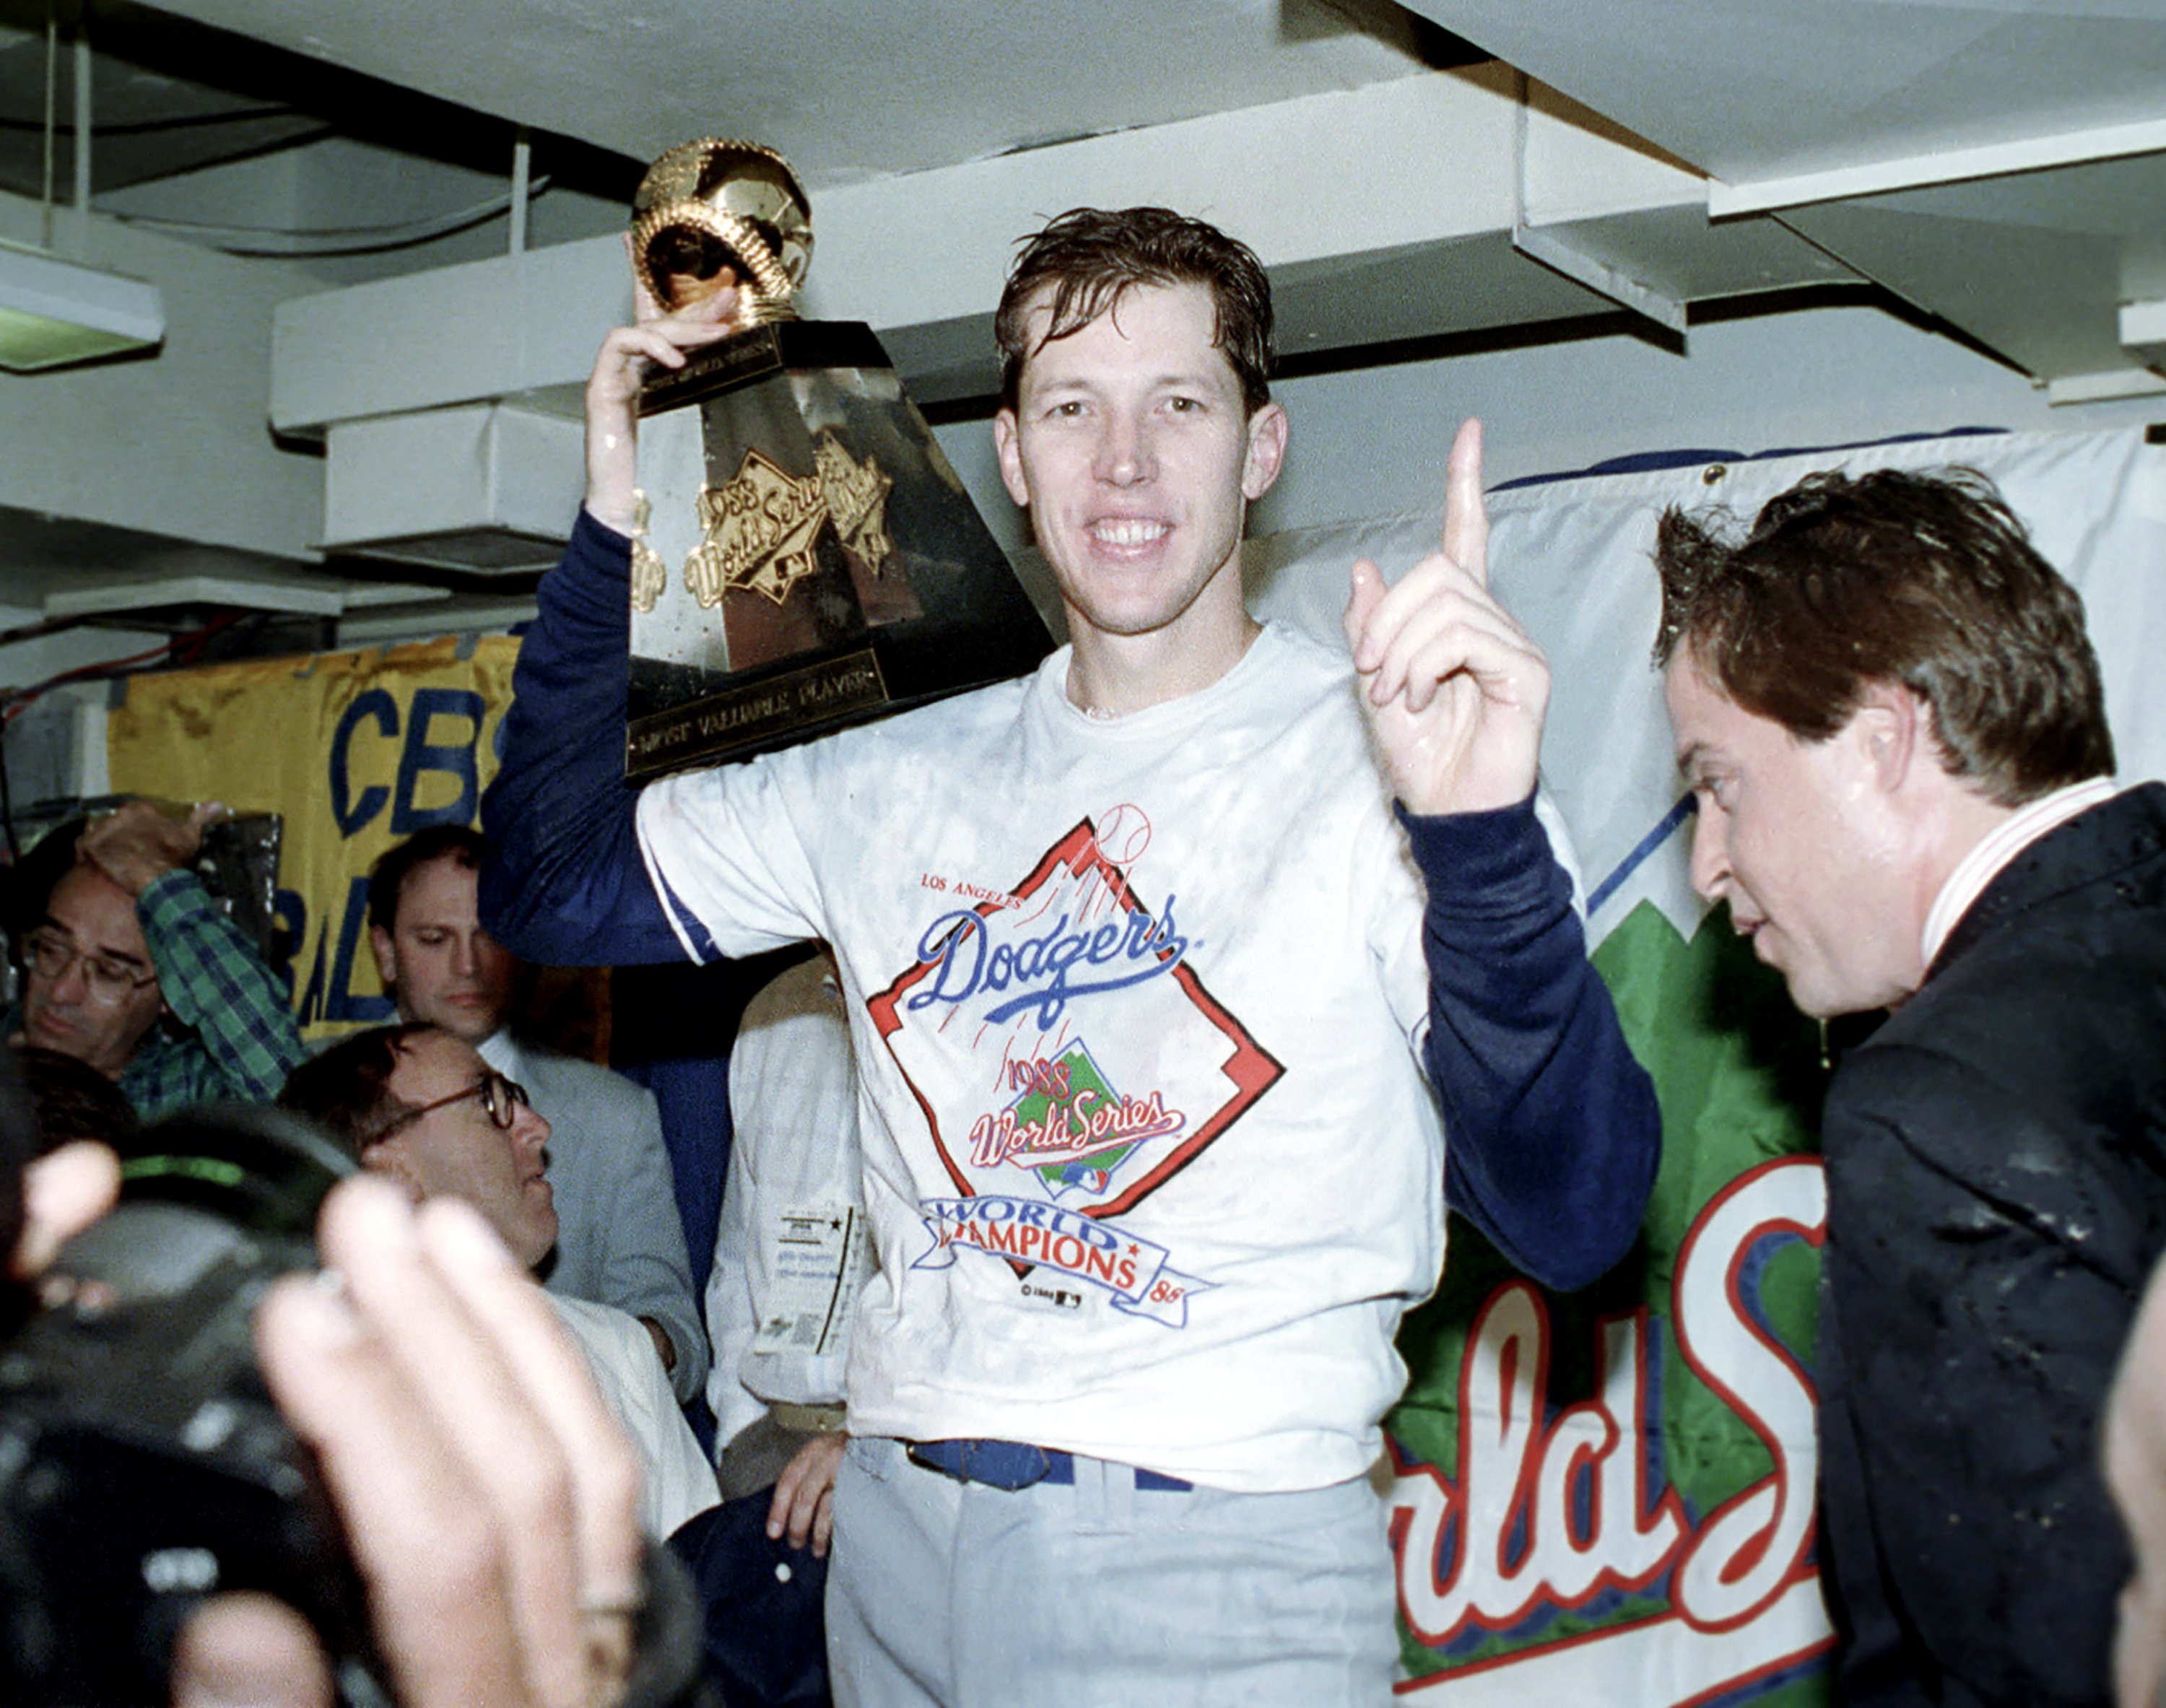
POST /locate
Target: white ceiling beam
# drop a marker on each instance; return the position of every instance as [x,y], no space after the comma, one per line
[295,595]
[1553,249]
[1943,166]
[1337,180]
[2100,388]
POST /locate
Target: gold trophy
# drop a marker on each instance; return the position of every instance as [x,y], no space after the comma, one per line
[804,556]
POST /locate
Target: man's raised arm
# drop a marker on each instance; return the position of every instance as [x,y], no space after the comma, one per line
[1551,1128]
[563,883]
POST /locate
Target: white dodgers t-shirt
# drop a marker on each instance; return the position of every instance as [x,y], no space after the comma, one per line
[1150,1164]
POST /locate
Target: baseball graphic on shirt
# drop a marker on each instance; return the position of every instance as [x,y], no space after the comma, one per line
[1122,835]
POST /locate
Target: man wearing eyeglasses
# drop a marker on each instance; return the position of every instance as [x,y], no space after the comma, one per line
[619,1239]
[136,971]
[421,1107]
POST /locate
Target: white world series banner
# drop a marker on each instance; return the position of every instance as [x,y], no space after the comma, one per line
[1607,1499]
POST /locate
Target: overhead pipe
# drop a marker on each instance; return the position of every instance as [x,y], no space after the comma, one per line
[83,126]
[522,177]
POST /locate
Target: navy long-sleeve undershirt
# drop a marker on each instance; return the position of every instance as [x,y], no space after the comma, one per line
[1553,1133]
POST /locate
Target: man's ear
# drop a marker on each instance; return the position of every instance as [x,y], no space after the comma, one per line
[386,950]
[1894,729]
[1009,449]
[1267,446]
[388,1158]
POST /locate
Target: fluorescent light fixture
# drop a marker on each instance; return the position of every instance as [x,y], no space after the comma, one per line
[54,312]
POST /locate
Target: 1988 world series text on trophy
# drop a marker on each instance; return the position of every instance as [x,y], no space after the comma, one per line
[806,557]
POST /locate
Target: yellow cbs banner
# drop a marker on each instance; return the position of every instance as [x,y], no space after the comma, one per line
[355,750]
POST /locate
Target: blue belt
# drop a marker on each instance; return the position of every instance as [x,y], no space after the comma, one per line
[1013,1465]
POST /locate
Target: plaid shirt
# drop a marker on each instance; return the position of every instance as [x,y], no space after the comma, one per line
[241,1041]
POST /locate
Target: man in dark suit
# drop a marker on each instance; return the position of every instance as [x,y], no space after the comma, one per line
[1887,706]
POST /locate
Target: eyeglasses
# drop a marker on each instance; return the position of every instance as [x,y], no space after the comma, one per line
[109,980]
[502,1098]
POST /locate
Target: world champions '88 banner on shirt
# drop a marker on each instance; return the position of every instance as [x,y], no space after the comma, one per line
[1607,1499]
[1599,1499]
[355,750]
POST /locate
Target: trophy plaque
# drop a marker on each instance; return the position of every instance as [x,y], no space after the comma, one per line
[805,557]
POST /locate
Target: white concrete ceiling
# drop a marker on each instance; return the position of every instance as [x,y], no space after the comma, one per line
[849,90]
[1845,121]
[1754,89]
[2001,164]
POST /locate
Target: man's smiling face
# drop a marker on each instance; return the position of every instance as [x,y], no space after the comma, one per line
[1130,443]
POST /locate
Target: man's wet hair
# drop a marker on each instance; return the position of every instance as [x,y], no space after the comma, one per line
[457,842]
[1893,576]
[1089,257]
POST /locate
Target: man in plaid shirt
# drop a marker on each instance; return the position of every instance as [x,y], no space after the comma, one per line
[136,971]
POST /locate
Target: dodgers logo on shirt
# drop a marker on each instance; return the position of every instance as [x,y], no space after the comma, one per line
[1069,1062]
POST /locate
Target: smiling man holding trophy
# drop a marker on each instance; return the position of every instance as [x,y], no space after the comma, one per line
[1160,1011]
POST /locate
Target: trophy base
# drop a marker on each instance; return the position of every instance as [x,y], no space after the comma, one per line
[807,558]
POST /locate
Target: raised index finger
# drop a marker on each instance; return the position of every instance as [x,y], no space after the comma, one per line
[1466,514]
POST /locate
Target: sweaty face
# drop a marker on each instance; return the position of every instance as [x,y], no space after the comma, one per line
[1129,443]
[458,1151]
[93,1007]
[440,965]
[1795,837]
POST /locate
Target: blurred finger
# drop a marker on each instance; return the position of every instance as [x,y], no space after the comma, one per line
[1435,579]
[790,1513]
[426,1542]
[1500,665]
[248,1651]
[461,1375]
[803,1493]
[629,347]
[553,1376]
[64,1191]
[805,1502]
[1465,511]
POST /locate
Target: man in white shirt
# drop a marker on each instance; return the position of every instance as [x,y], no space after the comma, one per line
[791,1254]
[421,1107]
[1160,1013]
[791,1258]
[619,1241]
[1887,706]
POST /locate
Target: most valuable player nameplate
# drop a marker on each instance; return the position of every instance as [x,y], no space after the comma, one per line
[805,557]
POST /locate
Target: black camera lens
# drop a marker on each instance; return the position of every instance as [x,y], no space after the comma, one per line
[143,1464]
